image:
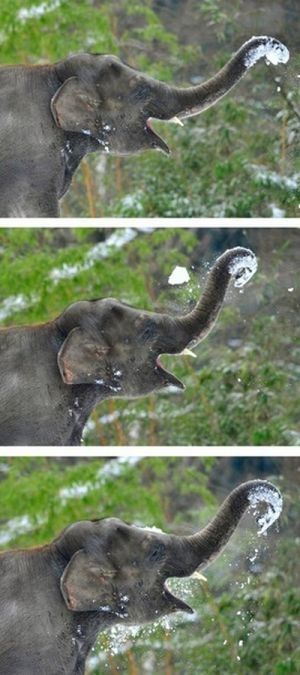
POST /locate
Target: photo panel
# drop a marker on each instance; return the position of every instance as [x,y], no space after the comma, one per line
[91,91]
[149,564]
[150,336]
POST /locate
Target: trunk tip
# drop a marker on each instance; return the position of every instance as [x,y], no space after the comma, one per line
[262,491]
[242,264]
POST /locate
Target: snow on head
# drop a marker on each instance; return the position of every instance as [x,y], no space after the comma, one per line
[179,275]
[242,268]
[271,496]
[272,50]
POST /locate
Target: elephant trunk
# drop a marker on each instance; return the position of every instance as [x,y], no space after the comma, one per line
[204,546]
[239,263]
[181,103]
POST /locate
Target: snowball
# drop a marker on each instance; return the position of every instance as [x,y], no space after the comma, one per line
[179,275]
[273,50]
[242,268]
[273,499]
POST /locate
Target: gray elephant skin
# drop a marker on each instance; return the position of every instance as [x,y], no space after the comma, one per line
[51,116]
[55,599]
[53,374]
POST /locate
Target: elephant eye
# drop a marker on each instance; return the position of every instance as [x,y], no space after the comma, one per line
[149,332]
[158,553]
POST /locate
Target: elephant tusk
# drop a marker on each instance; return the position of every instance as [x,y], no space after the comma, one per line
[198,576]
[188,352]
[176,120]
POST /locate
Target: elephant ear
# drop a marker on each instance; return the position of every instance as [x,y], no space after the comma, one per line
[75,107]
[81,358]
[86,584]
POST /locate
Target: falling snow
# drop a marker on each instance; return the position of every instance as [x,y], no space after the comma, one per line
[242,268]
[179,275]
[273,500]
[274,52]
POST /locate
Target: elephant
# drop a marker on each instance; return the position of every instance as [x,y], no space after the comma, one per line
[56,598]
[51,116]
[53,374]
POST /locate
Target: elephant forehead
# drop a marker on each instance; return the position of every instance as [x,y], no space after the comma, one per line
[131,535]
[111,310]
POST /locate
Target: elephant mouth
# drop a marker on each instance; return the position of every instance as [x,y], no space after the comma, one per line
[156,141]
[168,379]
[176,603]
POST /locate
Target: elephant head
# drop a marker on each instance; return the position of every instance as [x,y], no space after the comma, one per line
[113,104]
[120,571]
[116,348]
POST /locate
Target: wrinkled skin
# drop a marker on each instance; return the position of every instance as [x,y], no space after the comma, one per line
[53,374]
[55,599]
[52,116]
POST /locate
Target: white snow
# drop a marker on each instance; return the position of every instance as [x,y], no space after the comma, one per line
[266,177]
[114,468]
[17,526]
[133,201]
[272,498]
[179,275]
[15,303]
[117,239]
[38,10]
[273,50]
[276,211]
[242,268]
[150,529]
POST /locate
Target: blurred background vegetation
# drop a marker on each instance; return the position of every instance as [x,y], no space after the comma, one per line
[243,387]
[241,158]
[247,613]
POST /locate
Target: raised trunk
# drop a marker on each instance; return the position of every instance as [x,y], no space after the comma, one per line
[239,263]
[204,546]
[192,100]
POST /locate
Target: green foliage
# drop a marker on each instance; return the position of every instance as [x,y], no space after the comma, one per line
[46,31]
[221,166]
[132,492]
